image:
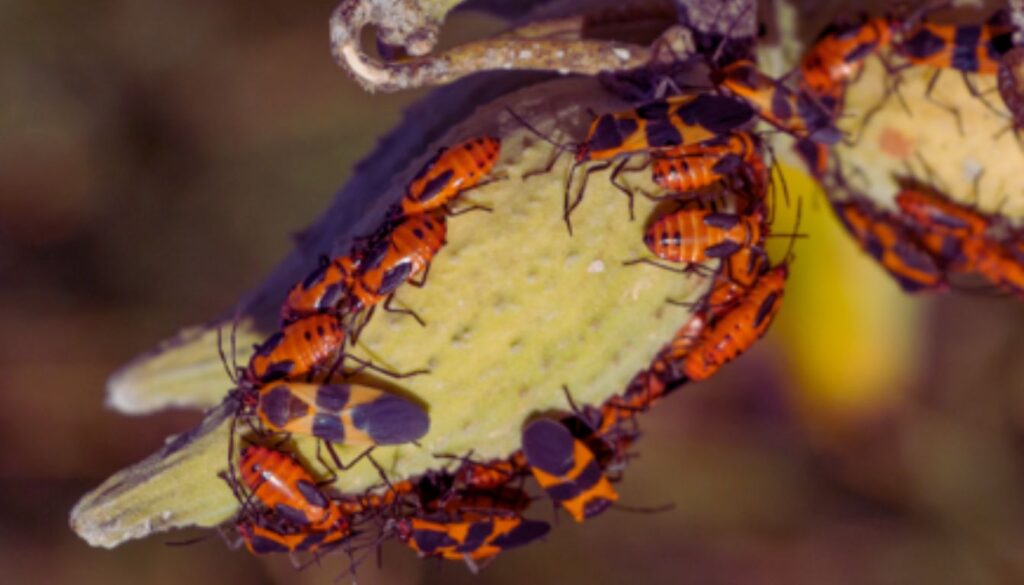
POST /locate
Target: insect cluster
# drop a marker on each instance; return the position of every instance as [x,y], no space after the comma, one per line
[712,219]
[931,240]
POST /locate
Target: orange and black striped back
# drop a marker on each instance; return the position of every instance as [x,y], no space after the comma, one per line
[725,339]
[400,257]
[697,233]
[970,48]
[284,486]
[839,54]
[451,171]
[567,469]
[297,349]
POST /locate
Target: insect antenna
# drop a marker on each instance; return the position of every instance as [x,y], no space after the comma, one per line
[533,130]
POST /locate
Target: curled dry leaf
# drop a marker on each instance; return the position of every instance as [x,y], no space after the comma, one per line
[514,307]
[559,45]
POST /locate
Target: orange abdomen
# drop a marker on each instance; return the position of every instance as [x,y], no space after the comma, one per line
[297,349]
[451,171]
[736,331]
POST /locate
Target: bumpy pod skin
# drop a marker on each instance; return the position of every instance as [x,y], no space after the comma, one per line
[482,339]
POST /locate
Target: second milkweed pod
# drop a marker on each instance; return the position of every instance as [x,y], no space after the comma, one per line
[567,469]
[348,414]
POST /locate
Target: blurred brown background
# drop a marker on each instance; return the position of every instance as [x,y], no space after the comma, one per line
[156,155]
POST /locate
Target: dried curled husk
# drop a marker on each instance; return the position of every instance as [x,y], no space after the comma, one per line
[515,309]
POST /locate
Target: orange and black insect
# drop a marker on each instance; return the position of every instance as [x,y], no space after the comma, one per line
[934,212]
[968,48]
[693,166]
[567,469]
[373,502]
[662,124]
[296,350]
[278,481]
[723,340]
[739,273]
[450,172]
[995,262]
[650,128]
[892,244]
[838,56]
[262,540]
[792,112]
[349,414]
[468,540]
[491,474]
[814,154]
[497,501]
[697,233]
[403,256]
[324,290]
[647,387]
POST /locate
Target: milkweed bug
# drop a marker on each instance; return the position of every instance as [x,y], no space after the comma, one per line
[996,263]
[740,271]
[792,112]
[402,256]
[728,337]
[296,350]
[284,486]
[698,232]
[693,166]
[934,212]
[262,540]
[567,469]
[369,502]
[472,540]
[968,48]
[661,124]
[450,172]
[648,128]
[491,474]
[495,501]
[964,48]
[838,56]
[647,387]
[892,244]
[325,289]
[350,414]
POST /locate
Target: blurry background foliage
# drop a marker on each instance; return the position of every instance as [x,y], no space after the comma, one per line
[154,158]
